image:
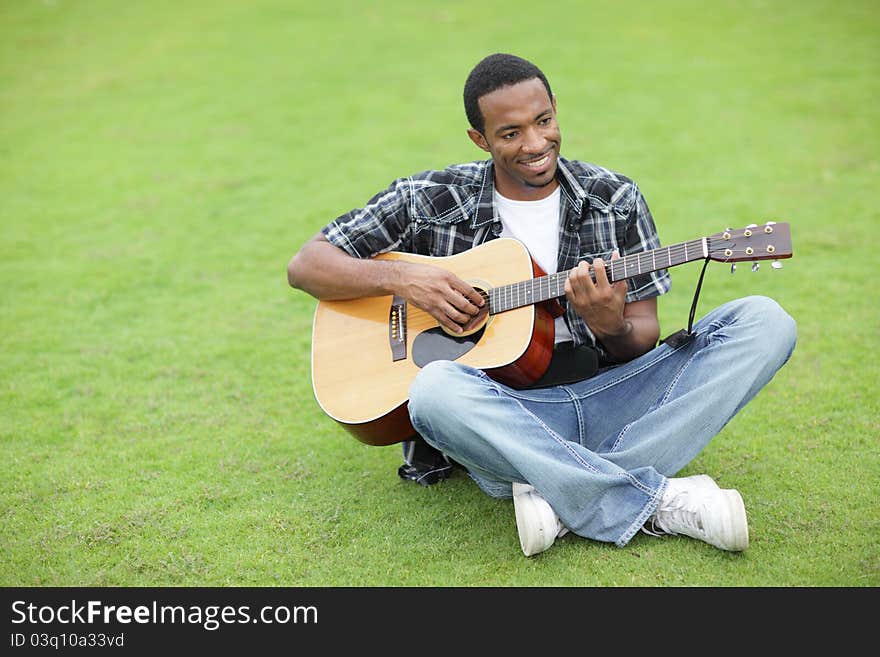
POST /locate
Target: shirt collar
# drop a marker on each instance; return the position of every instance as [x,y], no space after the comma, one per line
[572,190]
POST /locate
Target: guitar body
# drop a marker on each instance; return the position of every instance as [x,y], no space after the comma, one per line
[355,376]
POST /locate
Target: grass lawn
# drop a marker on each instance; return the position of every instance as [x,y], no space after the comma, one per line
[160,162]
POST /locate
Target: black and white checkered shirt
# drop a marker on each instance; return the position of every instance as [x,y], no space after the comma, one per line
[441,213]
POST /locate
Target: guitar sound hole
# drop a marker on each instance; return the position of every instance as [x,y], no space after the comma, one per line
[436,344]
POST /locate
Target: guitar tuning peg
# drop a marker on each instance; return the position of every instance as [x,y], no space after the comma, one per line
[733,268]
[776,264]
[752,226]
[770,223]
[755,266]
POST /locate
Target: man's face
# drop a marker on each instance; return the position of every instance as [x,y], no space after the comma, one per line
[522,135]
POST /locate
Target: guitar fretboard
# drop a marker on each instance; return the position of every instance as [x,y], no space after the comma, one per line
[544,288]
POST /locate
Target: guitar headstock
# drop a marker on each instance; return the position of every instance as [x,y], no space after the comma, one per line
[772,241]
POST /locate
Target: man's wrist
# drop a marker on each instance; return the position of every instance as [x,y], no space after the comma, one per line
[625,329]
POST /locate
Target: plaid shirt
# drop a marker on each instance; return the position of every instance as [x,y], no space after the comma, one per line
[441,213]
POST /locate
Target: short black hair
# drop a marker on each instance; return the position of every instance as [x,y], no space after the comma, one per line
[491,73]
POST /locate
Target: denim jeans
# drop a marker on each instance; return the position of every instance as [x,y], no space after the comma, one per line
[600,450]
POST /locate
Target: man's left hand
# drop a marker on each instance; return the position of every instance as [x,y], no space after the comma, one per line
[600,303]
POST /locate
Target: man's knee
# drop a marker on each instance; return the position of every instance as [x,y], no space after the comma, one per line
[778,327]
[434,388]
[770,331]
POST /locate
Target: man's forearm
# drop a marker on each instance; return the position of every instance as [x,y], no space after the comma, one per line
[636,334]
[326,272]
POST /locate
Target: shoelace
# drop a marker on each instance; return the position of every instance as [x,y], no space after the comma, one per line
[674,517]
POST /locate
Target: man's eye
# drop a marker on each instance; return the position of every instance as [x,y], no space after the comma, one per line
[508,135]
[545,121]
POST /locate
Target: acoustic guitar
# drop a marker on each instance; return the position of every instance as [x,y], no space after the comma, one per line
[366,352]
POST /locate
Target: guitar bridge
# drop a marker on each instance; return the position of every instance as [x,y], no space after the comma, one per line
[397,328]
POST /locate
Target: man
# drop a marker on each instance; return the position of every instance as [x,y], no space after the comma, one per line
[595,456]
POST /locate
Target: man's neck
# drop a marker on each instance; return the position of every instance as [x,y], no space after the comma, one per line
[522,192]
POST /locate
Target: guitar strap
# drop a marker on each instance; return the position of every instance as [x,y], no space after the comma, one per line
[683,336]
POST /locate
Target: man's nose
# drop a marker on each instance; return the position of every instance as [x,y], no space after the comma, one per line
[533,141]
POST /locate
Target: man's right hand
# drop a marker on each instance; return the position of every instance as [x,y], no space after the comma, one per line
[441,294]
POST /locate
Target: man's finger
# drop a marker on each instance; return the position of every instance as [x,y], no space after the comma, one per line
[467,299]
[447,322]
[622,282]
[599,271]
[582,275]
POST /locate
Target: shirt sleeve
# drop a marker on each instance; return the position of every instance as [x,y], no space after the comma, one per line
[641,235]
[380,226]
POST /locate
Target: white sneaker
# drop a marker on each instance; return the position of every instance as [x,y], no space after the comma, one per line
[537,523]
[697,507]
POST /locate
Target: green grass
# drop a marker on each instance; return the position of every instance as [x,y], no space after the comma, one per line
[160,162]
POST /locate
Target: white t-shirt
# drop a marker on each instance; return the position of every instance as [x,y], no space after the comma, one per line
[535,224]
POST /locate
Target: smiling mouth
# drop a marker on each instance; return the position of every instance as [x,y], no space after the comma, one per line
[538,163]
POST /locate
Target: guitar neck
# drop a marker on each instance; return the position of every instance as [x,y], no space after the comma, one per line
[544,288]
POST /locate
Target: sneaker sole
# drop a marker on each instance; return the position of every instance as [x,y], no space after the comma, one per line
[535,535]
[736,525]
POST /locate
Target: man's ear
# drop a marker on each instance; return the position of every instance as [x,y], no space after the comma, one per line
[478,138]
[553,102]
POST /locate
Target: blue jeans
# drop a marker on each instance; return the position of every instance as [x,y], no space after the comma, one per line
[600,451]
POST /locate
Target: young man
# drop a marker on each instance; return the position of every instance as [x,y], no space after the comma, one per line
[597,456]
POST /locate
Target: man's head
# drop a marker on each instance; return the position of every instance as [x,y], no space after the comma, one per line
[493,72]
[512,113]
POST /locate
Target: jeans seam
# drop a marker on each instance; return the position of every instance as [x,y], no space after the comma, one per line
[620,437]
[642,518]
[676,378]
[517,394]
[582,431]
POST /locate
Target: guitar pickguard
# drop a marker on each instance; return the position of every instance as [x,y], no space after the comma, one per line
[437,344]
